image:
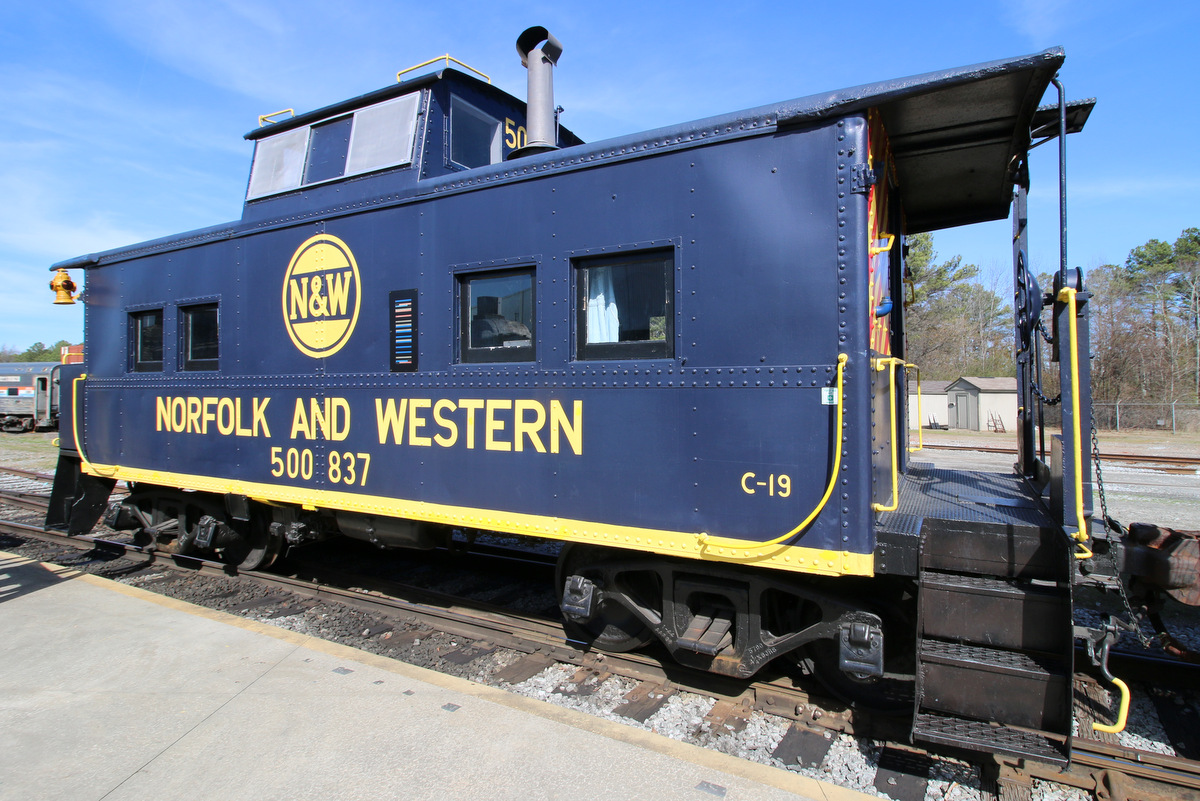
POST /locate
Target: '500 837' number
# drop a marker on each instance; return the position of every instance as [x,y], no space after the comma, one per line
[341,468]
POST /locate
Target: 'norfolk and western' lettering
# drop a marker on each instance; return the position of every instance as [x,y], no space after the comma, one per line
[496,424]
[192,415]
[500,424]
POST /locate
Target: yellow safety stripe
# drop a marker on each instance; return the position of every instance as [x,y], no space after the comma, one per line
[719,544]
[693,545]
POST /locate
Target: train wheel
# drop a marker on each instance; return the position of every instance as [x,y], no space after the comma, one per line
[893,692]
[613,627]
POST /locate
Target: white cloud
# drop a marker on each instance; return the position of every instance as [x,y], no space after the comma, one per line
[302,53]
[49,224]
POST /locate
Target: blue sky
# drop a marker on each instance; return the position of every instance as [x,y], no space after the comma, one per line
[122,120]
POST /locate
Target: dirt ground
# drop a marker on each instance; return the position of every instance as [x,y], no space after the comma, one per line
[34,451]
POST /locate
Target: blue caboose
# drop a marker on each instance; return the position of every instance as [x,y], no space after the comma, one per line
[679,352]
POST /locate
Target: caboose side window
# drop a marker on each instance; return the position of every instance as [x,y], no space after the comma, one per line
[200,336]
[624,307]
[474,136]
[146,341]
[383,135]
[278,163]
[372,138]
[497,316]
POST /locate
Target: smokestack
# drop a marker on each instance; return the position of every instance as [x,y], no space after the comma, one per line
[539,107]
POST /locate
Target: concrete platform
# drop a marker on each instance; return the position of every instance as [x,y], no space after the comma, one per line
[110,692]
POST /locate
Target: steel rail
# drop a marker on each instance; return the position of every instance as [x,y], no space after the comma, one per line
[1159,666]
[1112,457]
[25,500]
[17,471]
[1114,772]
[481,621]
[530,634]
[1159,768]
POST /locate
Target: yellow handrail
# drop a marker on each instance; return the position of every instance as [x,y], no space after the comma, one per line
[890,362]
[1123,710]
[263,119]
[1067,295]
[920,430]
[706,541]
[87,465]
[877,249]
[447,58]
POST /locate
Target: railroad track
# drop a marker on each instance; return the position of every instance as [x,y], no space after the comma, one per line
[25,500]
[1169,463]
[541,639]
[30,474]
[1109,770]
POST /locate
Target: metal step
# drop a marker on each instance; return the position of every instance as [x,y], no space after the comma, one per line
[989,684]
[979,736]
[985,548]
[1001,613]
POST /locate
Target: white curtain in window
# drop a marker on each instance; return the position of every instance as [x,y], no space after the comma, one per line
[603,323]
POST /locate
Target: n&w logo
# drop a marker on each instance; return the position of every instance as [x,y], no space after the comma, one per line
[321,295]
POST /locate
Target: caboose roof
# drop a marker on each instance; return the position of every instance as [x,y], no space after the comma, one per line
[956,138]
[954,133]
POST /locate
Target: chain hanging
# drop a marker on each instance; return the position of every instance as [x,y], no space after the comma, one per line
[1037,390]
[1109,525]
[1057,399]
[1041,329]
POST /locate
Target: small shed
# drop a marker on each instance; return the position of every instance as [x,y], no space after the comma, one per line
[932,411]
[982,404]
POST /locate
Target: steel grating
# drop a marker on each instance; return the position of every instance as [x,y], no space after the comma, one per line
[1002,659]
[980,736]
[972,496]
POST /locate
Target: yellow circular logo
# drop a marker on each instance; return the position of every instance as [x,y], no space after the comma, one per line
[321,294]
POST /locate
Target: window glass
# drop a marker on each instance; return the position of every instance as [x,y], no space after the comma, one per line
[146,341]
[327,148]
[278,163]
[200,337]
[474,136]
[498,317]
[624,307]
[371,138]
[383,135]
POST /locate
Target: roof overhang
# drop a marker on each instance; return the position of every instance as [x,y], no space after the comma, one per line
[957,135]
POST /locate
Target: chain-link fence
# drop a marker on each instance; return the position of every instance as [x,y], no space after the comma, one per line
[1129,416]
